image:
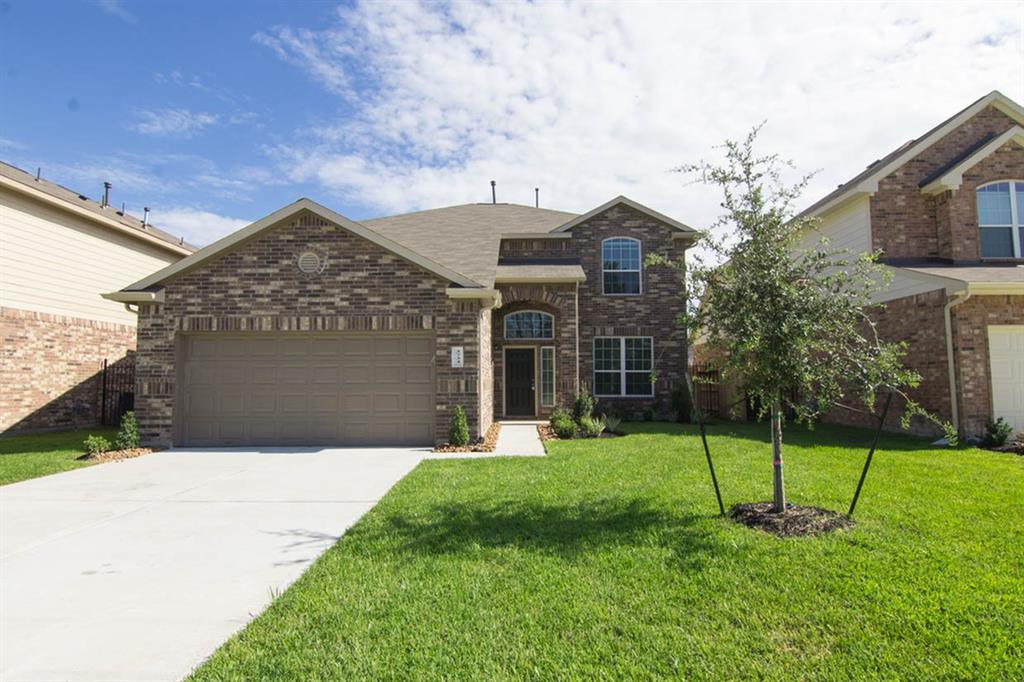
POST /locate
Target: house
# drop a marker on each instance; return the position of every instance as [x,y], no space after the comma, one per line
[946,212]
[59,251]
[307,327]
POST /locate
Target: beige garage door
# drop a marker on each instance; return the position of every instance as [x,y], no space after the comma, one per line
[306,388]
[1006,357]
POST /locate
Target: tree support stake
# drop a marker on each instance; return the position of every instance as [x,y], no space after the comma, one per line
[711,467]
[871,453]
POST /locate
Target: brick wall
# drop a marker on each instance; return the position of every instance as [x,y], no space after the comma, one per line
[903,219]
[961,207]
[917,321]
[560,301]
[970,333]
[49,368]
[257,287]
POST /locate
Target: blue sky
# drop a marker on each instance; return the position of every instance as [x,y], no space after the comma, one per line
[217,113]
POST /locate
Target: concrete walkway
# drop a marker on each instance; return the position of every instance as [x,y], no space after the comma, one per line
[139,570]
[519,438]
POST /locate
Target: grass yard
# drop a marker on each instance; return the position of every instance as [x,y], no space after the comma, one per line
[606,560]
[40,454]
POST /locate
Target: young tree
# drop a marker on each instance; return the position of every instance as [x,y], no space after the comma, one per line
[787,315]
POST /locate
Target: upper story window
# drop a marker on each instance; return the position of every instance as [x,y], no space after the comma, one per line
[1001,219]
[620,266]
[529,324]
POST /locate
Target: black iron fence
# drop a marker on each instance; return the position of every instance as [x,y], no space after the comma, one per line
[117,389]
[706,388]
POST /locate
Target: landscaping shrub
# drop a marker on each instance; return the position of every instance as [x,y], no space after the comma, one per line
[563,425]
[583,406]
[997,433]
[681,402]
[128,436]
[96,444]
[458,430]
[612,423]
[591,427]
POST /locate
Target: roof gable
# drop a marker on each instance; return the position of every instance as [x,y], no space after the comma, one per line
[951,176]
[245,234]
[626,201]
[867,181]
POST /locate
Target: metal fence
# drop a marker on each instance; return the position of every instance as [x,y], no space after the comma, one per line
[706,388]
[117,389]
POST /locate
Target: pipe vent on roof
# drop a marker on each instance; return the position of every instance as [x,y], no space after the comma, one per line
[106,194]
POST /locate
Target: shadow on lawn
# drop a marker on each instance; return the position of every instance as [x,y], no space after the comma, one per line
[566,531]
[825,435]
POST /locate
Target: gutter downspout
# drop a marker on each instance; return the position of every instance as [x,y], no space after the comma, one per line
[958,298]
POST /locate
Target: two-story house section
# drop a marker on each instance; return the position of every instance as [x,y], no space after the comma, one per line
[946,211]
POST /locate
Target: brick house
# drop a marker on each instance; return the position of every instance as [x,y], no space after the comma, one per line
[59,251]
[946,211]
[309,328]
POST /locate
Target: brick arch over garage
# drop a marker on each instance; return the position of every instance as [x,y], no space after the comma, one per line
[559,300]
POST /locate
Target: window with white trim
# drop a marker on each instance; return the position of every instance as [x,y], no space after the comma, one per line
[547,376]
[1001,219]
[529,324]
[620,266]
[623,365]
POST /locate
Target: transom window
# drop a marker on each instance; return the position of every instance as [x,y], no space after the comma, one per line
[1001,219]
[529,324]
[622,366]
[620,266]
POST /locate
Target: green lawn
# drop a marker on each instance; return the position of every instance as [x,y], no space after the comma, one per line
[606,560]
[31,456]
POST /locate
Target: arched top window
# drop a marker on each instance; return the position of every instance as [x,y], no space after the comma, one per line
[1001,219]
[620,266]
[529,324]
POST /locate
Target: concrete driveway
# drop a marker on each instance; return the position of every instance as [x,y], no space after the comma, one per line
[139,570]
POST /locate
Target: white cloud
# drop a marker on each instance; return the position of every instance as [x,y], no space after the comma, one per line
[11,145]
[116,8]
[196,225]
[176,122]
[588,101]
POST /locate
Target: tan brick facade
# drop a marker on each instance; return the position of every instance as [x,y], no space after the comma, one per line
[257,287]
[50,368]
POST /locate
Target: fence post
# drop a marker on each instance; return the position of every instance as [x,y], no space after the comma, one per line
[103,394]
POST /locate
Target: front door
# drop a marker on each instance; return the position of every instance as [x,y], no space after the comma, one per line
[520,390]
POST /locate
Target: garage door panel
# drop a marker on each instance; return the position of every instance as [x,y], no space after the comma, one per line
[307,388]
[1006,358]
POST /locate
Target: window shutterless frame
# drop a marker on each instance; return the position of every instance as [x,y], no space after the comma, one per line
[543,316]
[622,372]
[1016,224]
[638,270]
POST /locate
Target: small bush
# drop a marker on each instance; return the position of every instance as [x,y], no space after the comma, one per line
[583,406]
[591,427]
[563,425]
[96,444]
[612,423]
[128,435]
[458,430]
[648,414]
[997,433]
[681,402]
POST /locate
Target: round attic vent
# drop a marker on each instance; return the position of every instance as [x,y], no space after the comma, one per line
[310,262]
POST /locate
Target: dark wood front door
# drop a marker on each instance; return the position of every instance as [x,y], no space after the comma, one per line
[519,387]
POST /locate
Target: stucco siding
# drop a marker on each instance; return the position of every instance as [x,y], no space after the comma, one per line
[57,263]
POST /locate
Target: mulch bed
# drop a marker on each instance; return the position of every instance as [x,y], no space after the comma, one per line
[487,444]
[797,520]
[114,455]
[548,433]
[1016,448]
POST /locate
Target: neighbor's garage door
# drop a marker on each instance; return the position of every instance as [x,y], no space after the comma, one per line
[306,388]
[1006,354]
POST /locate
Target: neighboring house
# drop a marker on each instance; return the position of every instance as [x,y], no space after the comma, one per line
[309,328]
[59,251]
[946,211]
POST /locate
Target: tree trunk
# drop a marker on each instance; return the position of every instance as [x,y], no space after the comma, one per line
[779,499]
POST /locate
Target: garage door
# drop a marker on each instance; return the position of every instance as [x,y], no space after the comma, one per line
[1006,354]
[306,388]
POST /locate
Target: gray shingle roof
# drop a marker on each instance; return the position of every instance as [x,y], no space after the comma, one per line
[466,238]
[538,272]
[60,192]
[974,274]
